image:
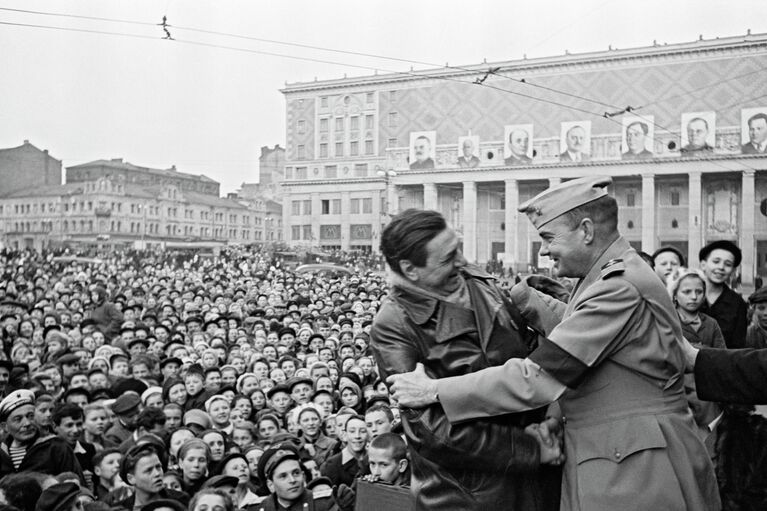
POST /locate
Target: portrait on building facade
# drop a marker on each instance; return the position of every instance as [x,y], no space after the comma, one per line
[575,141]
[468,151]
[637,142]
[753,130]
[423,145]
[698,132]
[518,144]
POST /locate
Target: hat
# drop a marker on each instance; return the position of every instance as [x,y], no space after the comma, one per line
[68,359]
[221,480]
[150,391]
[729,246]
[198,418]
[559,199]
[758,296]
[286,331]
[295,380]
[272,458]
[139,340]
[115,356]
[125,385]
[14,400]
[58,497]
[280,387]
[163,503]
[673,250]
[126,403]
[212,399]
[170,360]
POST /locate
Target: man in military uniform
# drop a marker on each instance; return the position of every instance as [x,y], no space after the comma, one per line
[614,361]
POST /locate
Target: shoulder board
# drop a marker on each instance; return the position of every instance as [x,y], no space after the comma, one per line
[612,267]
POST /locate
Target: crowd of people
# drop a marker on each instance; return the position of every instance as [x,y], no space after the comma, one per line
[157,381]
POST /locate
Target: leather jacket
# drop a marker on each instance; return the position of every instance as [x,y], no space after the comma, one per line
[484,464]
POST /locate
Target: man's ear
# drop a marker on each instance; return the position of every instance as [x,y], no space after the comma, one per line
[270,485]
[402,466]
[409,270]
[587,230]
[131,480]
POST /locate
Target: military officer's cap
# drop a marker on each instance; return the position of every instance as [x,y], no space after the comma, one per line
[559,199]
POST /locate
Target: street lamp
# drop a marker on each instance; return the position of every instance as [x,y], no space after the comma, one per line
[387,175]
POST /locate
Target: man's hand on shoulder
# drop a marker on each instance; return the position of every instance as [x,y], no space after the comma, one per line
[414,389]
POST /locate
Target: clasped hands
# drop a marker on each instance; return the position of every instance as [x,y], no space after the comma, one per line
[550,436]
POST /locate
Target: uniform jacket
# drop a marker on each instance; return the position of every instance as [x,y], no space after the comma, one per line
[750,149]
[518,160]
[730,311]
[471,162]
[117,434]
[307,502]
[129,501]
[486,464]
[324,447]
[642,155]
[48,454]
[338,472]
[630,440]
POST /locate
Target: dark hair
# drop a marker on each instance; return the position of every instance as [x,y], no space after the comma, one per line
[148,418]
[391,441]
[21,490]
[406,237]
[355,416]
[641,124]
[66,410]
[228,504]
[381,407]
[704,121]
[133,456]
[760,115]
[602,211]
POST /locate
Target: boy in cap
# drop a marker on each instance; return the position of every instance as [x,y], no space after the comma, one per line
[141,468]
[126,408]
[719,260]
[614,363]
[59,497]
[27,450]
[756,336]
[281,468]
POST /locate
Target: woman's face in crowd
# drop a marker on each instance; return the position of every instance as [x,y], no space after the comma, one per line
[210,502]
[219,412]
[43,413]
[215,442]
[195,464]
[349,397]
[278,375]
[267,429]
[98,338]
[258,400]
[249,384]
[177,394]
[254,456]
[177,439]
[324,383]
[238,468]
[89,344]
[244,406]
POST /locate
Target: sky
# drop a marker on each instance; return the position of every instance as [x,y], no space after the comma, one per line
[209,109]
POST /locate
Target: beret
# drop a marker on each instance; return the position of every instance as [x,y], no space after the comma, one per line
[729,246]
[558,200]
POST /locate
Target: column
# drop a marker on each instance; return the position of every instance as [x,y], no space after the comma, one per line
[648,213]
[376,219]
[345,220]
[470,221]
[430,196]
[746,242]
[315,218]
[288,221]
[511,239]
[392,199]
[695,219]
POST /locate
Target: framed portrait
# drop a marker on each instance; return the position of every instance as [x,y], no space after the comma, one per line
[575,141]
[637,137]
[468,151]
[698,131]
[518,144]
[753,130]
[423,149]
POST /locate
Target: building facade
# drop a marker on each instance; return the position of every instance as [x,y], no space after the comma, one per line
[25,166]
[126,210]
[680,128]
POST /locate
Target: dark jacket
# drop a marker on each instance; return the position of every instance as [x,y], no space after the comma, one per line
[732,376]
[339,473]
[730,311]
[117,433]
[484,464]
[47,454]
[108,319]
[129,501]
[307,499]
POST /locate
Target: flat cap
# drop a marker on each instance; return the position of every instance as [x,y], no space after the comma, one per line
[126,402]
[564,197]
[14,400]
[729,246]
[197,417]
[758,296]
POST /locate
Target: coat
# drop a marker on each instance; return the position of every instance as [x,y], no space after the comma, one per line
[630,440]
[730,312]
[486,464]
[732,376]
[48,454]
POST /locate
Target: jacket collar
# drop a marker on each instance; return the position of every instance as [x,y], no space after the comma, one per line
[614,251]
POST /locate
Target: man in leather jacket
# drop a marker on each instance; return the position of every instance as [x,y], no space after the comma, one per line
[451,318]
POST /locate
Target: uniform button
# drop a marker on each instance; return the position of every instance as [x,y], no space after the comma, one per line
[617,455]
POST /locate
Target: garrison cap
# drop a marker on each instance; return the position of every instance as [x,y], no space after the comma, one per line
[564,197]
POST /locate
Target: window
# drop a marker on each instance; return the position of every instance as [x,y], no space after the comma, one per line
[355,122]
[369,97]
[393,96]
[301,126]
[674,198]
[324,125]
[295,232]
[300,172]
[369,122]
[288,172]
[354,206]
[354,148]
[339,148]
[360,170]
[307,235]
[367,206]
[324,101]
[325,207]
[295,207]
[331,171]
[392,142]
[324,150]
[301,152]
[369,147]
[339,123]
[335,206]
[393,119]
[630,200]
[308,207]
